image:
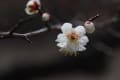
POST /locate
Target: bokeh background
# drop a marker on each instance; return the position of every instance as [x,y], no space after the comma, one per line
[41,60]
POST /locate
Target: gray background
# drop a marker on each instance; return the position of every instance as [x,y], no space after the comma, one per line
[41,60]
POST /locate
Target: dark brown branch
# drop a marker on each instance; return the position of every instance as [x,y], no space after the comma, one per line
[20,22]
[11,32]
[94,17]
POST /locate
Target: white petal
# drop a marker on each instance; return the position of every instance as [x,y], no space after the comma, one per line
[80,30]
[61,45]
[61,38]
[38,1]
[30,2]
[66,27]
[28,12]
[82,48]
[83,40]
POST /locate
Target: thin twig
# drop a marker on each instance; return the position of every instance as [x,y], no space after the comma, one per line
[94,17]
[20,22]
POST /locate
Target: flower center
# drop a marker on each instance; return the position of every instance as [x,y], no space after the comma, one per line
[34,7]
[72,36]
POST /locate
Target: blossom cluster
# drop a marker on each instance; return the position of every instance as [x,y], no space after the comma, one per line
[33,7]
[72,39]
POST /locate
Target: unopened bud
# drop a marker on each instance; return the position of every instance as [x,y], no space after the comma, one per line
[32,7]
[45,16]
[89,26]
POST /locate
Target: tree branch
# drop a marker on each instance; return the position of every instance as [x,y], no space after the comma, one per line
[94,17]
[11,33]
[20,22]
[4,35]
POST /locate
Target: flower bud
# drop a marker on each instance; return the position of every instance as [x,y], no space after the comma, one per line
[45,16]
[32,7]
[89,26]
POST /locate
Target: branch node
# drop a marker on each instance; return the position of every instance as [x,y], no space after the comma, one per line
[27,39]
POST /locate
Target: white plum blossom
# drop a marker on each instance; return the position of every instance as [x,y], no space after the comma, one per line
[32,7]
[89,26]
[72,40]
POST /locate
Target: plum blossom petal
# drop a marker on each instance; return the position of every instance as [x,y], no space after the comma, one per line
[29,12]
[37,1]
[66,27]
[82,48]
[61,45]
[61,38]
[83,40]
[80,30]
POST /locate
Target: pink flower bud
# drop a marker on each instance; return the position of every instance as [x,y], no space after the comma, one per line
[32,7]
[89,26]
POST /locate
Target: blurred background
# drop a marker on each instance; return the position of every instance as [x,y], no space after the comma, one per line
[41,60]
